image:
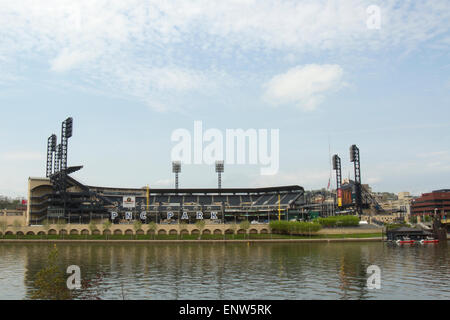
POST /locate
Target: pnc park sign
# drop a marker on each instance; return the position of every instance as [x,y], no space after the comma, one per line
[185,216]
[129,202]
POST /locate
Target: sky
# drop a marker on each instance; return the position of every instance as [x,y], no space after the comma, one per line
[323,73]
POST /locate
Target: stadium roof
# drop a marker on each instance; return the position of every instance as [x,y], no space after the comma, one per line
[280,189]
[209,190]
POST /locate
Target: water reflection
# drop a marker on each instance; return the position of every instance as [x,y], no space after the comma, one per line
[238,271]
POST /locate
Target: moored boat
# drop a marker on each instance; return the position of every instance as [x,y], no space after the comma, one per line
[405,240]
[429,240]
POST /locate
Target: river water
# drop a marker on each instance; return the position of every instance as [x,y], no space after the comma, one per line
[205,271]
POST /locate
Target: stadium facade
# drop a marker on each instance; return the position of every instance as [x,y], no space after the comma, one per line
[80,203]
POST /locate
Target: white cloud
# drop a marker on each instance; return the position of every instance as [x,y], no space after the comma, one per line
[67,60]
[167,78]
[107,26]
[304,86]
[196,39]
[159,87]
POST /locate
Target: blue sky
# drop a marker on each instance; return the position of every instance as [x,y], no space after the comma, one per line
[132,72]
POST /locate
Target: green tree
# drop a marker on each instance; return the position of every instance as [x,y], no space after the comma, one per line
[16,226]
[339,221]
[92,227]
[3,226]
[200,224]
[152,227]
[245,225]
[182,226]
[8,203]
[61,225]
[106,226]
[137,225]
[233,228]
[50,283]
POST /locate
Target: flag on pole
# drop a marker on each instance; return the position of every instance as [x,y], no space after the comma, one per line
[329,183]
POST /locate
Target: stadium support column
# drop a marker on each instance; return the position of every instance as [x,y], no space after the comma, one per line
[148,198]
[279,207]
[220,168]
[147,207]
[51,148]
[355,158]
[223,212]
[337,167]
[176,169]
[56,177]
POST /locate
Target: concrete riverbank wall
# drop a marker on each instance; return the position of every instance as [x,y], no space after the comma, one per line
[128,229]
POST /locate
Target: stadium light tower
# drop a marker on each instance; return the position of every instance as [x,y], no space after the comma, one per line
[51,149]
[220,168]
[66,133]
[176,168]
[355,158]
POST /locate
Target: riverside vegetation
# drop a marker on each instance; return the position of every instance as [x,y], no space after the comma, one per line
[50,283]
[308,228]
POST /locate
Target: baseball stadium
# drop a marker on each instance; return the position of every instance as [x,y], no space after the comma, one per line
[60,196]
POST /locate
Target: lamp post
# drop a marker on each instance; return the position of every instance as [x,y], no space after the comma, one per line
[176,169]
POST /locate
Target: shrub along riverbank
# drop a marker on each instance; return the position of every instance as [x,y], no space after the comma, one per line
[339,221]
[308,228]
[294,227]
